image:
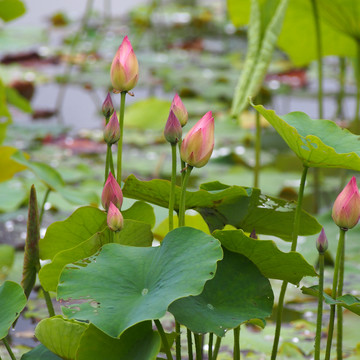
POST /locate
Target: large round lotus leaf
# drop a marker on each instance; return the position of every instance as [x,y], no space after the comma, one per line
[317,143]
[12,301]
[61,336]
[125,285]
[40,353]
[139,342]
[237,293]
[133,233]
[273,263]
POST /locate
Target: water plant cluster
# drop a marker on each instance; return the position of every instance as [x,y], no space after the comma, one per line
[124,295]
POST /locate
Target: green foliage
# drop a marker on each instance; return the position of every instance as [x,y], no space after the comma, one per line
[348,301]
[152,278]
[148,114]
[40,352]
[316,143]
[53,180]
[11,9]
[12,301]
[15,99]
[273,263]
[7,255]
[237,293]
[262,37]
[297,37]
[221,205]
[8,166]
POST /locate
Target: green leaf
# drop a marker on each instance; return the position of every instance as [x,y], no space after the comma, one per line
[140,211]
[148,114]
[7,255]
[297,37]
[317,143]
[139,342]
[61,336]
[12,301]
[54,181]
[12,195]
[221,205]
[15,99]
[8,166]
[134,233]
[125,285]
[259,55]
[40,353]
[273,263]
[4,112]
[195,221]
[237,293]
[348,301]
[31,264]
[11,9]
[80,226]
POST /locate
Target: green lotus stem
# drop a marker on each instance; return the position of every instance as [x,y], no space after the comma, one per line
[107,163]
[177,341]
[257,150]
[341,92]
[318,55]
[334,292]
[8,348]
[237,343]
[217,347]
[339,307]
[120,142]
[111,161]
[293,248]
[49,303]
[320,307]
[211,339]
[48,190]
[189,342]
[182,196]
[357,71]
[172,189]
[198,346]
[164,339]
[182,163]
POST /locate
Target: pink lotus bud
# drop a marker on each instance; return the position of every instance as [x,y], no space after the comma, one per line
[111,193]
[112,130]
[322,242]
[115,219]
[107,107]
[346,209]
[198,144]
[173,130]
[124,70]
[179,110]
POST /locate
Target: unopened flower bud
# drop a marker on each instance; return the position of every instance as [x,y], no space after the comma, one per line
[173,130]
[111,193]
[107,107]
[179,110]
[198,144]
[346,209]
[322,242]
[112,130]
[124,70]
[115,219]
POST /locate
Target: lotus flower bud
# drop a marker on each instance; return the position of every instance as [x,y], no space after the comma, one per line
[322,242]
[179,110]
[346,209]
[173,130]
[198,144]
[107,107]
[112,130]
[115,219]
[124,70]
[111,193]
